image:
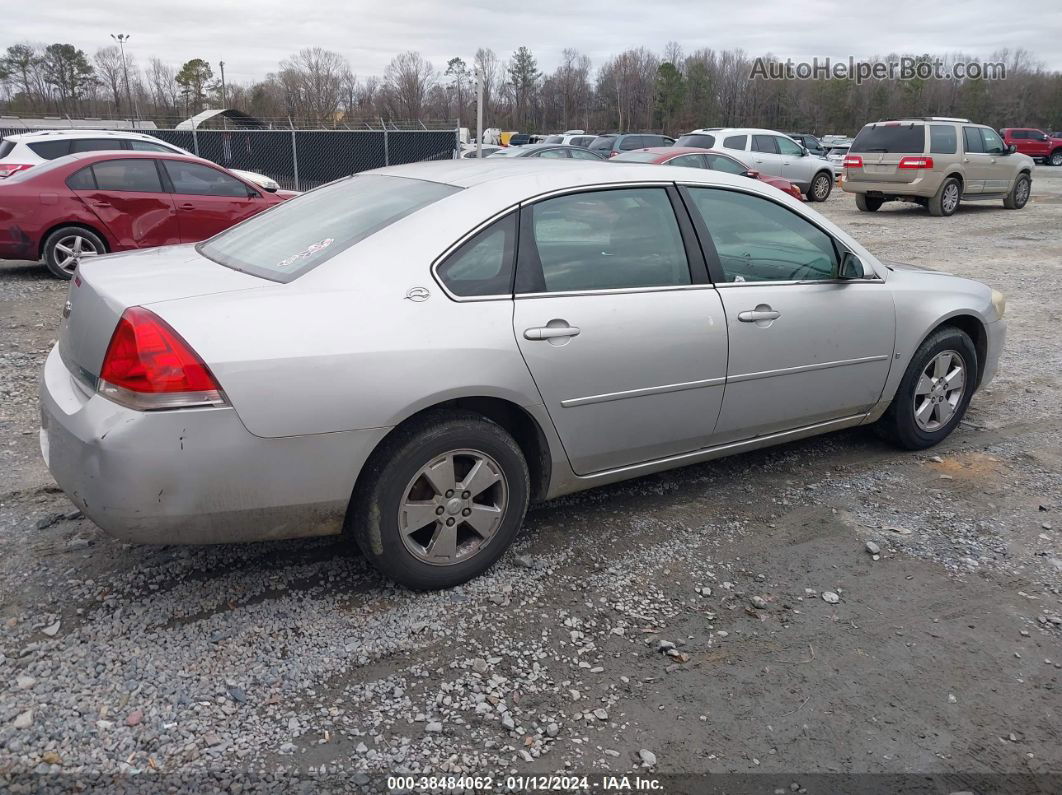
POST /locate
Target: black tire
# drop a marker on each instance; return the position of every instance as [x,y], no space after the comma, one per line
[53,257]
[820,187]
[1019,194]
[1055,158]
[373,518]
[940,204]
[868,204]
[898,424]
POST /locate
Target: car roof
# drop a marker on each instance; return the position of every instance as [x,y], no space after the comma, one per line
[125,154]
[53,134]
[734,131]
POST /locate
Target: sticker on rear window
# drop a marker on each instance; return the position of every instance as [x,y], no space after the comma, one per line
[309,252]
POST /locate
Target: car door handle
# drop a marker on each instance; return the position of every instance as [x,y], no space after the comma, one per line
[753,315]
[551,332]
[101,204]
[187,206]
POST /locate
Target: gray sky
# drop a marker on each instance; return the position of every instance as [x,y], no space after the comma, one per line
[252,37]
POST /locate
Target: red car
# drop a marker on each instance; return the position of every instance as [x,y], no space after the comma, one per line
[695,157]
[1034,143]
[86,204]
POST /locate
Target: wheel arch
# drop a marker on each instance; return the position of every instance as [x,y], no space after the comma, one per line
[974,328]
[97,231]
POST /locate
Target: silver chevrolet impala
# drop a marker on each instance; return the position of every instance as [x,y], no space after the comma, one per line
[413,354]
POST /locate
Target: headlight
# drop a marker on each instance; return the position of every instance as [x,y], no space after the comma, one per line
[999,301]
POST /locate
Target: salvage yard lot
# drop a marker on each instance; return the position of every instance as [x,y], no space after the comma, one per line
[262,662]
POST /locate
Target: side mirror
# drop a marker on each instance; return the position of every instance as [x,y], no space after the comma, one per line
[851,267]
[1011,149]
[751,174]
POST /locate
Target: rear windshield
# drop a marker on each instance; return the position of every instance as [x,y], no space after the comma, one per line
[636,157]
[891,138]
[6,147]
[554,139]
[300,234]
[703,141]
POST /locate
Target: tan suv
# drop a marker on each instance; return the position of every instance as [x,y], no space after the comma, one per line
[935,162]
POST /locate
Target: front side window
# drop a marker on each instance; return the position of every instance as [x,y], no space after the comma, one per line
[689,161]
[602,240]
[765,143]
[788,147]
[298,235]
[1019,134]
[993,143]
[942,139]
[484,264]
[738,142]
[632,142]
[972,142]
[760,241]
[138,176]
[727,164]
[193,179]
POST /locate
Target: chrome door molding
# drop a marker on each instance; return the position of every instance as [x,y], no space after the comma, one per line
[804,368]
[727,285]
[649,390]
[616,291]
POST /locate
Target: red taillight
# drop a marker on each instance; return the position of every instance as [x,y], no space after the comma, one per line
[915,162]
[7,169]
[852,161]
[149,366]
[613,154]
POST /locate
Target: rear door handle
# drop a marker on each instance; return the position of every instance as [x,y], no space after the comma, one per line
[101,204]
[551,332]
[753,315]
[187,206]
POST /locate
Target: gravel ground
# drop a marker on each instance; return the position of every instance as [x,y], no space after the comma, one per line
[829,606]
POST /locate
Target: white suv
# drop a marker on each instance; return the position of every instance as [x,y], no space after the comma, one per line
[770,153]
[26,150]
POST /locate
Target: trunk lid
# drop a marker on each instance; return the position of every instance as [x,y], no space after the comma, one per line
[103,288]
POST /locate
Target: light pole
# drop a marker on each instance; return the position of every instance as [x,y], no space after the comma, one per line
[122,38]
[224,99]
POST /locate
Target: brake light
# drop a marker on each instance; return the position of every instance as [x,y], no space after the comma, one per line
[613,153]
[852,161]
[915,162]
[7,169]
[149,366]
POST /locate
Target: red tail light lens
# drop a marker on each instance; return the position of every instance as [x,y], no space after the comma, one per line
[148,366]
[613,153]
[7,169]
[915,162]
[852,161]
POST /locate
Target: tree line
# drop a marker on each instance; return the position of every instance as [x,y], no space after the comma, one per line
[637,89]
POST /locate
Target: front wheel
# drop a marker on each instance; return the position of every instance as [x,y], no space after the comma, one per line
[868,204]
[820,188]
[1056,158]
[441,500]
[1019,194]
[934,393]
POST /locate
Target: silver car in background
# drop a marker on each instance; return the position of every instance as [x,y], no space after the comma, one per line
[372,357]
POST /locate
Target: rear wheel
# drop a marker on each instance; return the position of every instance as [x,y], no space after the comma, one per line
[441,500]
[1056,158]
[868,204]
[1019,194]
[934,393]
[819,190]
[66,247]
[946,200]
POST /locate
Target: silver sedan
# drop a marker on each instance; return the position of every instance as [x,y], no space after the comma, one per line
[412,355]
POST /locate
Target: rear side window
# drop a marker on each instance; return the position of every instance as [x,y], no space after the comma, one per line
[602,144]
[583,154]
[689,161]
[636,157]
[702,140]
[765,143]
[730,166]
[942,139]
[904,138]
[603,240]
[193,179]
[584,141]
[484,264]
[82,180]
[148,146]
[972,140]
[94,145]
[6,147]
[629,142]
[1019,134]
[656,140]
[50,150]
[296,236]
[736,142]
[137,176]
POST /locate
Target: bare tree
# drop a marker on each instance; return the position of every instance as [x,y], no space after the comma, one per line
[111,73]
[314,77]
[408,79]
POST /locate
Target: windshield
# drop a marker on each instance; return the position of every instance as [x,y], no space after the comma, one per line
[298,235]
[906,138]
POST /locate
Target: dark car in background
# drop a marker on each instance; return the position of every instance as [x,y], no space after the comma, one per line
[611,144]
[809,142]
[555,151]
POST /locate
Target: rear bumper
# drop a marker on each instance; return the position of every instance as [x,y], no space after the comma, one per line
[920,187]
[194,476]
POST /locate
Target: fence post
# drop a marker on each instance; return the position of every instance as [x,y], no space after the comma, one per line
[195,140]
[295,158]
[457,139]
[387,151]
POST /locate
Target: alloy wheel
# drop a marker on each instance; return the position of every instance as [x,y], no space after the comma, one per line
[950,199]
[453,507]
[939,391]
[822,188]
[1021,193]
[71,249]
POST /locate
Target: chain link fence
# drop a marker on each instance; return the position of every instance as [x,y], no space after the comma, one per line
[304,159]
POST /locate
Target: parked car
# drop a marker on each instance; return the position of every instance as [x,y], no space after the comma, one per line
[775,155]
[809,142]
[347,362]
[936,162]
[572,139]
[695,157]
[470,151]
[85,205]
[555,151]
[835,157]
[25,150]
[611,144]
[1035,143]
[516,139]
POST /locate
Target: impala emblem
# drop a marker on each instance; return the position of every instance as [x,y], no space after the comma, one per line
[418,294]
[66,309]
